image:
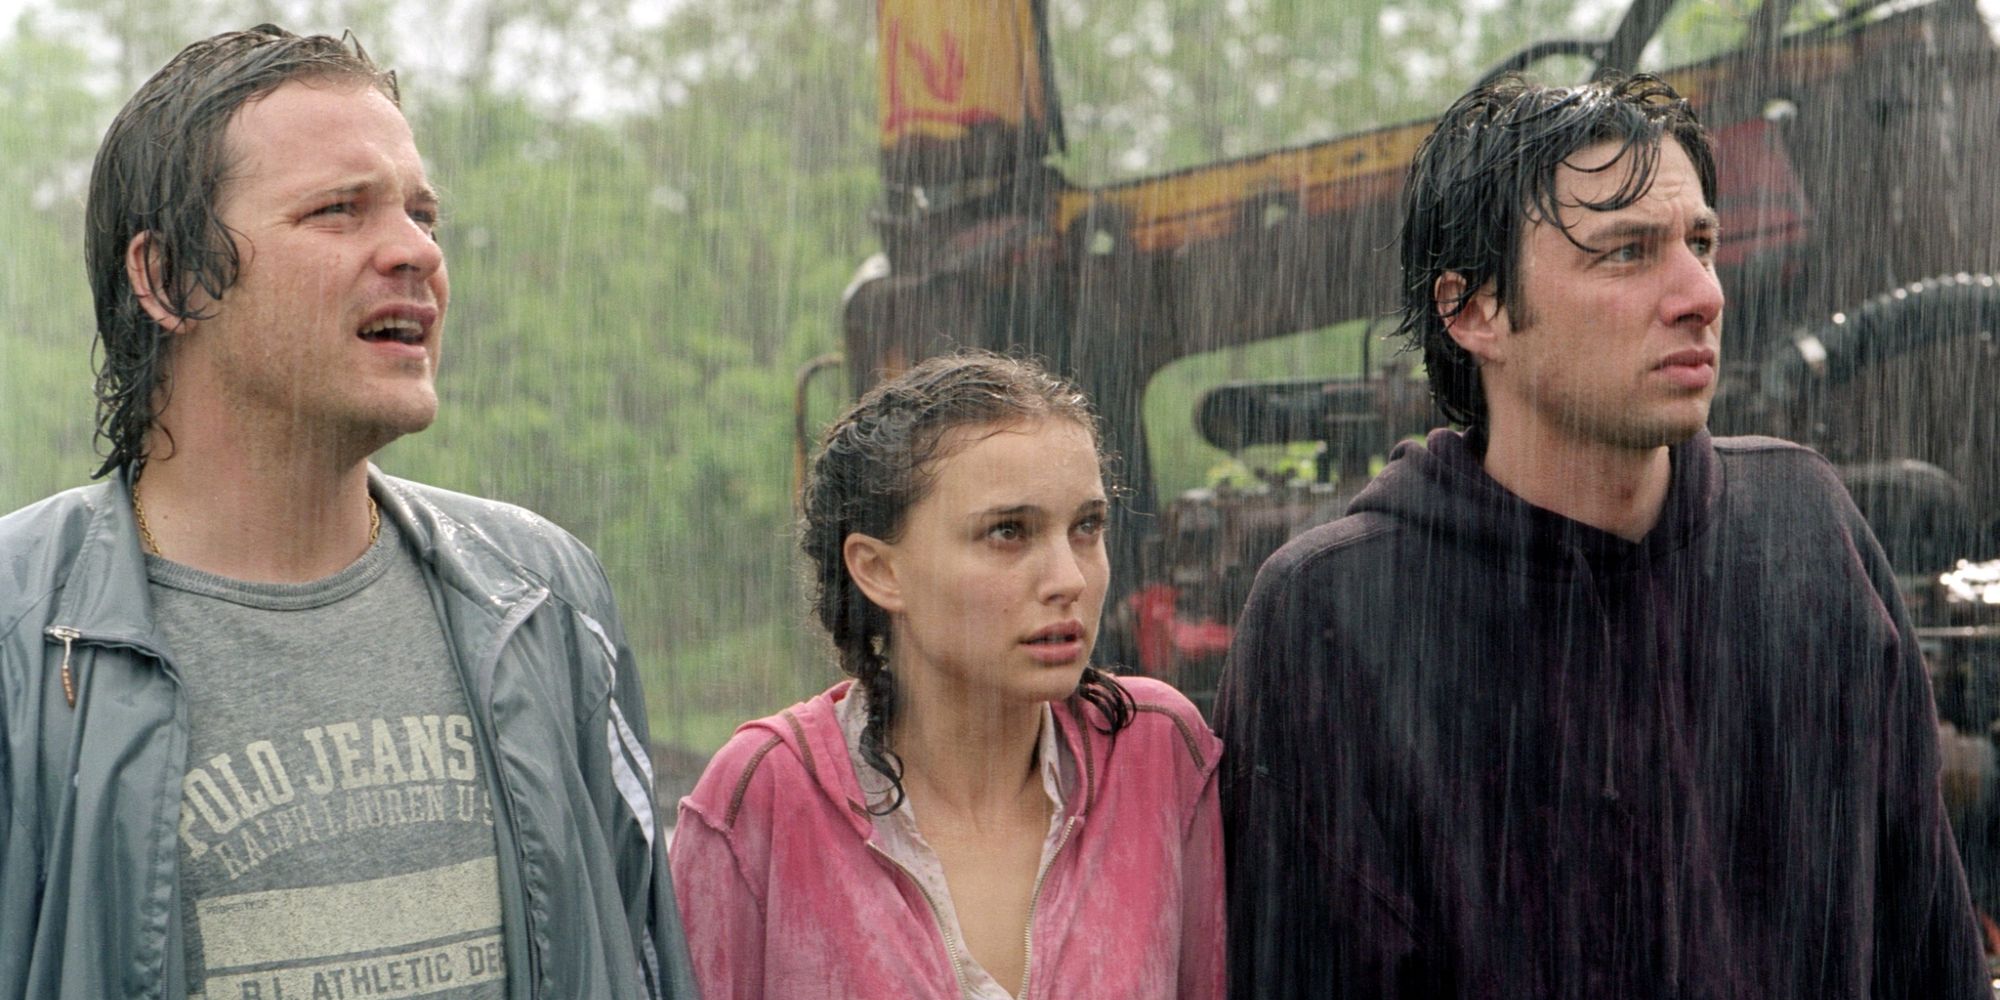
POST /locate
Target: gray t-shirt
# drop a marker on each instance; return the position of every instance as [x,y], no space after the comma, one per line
[336,831]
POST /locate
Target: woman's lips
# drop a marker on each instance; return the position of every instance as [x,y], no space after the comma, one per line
[1055,653]
[1056,644]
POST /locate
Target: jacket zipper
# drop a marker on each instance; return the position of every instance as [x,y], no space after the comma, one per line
[481,712]
[937,916]
[1035,899]
[66,636]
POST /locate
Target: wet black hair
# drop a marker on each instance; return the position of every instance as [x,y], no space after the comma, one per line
[161,171]
[1489,170]
[875,463]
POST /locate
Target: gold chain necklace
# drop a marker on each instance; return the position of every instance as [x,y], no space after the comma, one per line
[146,530]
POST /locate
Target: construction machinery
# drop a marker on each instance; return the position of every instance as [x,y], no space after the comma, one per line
[1859,163]
[1857,176]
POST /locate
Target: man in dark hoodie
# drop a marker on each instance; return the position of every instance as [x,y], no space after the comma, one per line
[1580,702]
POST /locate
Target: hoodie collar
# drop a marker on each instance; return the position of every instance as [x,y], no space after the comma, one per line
[813,732]
[1442,487]
[1057,771]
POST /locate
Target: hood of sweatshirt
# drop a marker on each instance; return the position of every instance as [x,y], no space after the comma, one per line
[811,732]
[1440,487]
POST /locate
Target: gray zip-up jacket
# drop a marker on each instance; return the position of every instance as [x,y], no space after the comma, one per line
[90,791]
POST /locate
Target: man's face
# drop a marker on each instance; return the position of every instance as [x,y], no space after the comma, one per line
[1617,345]
[332,330]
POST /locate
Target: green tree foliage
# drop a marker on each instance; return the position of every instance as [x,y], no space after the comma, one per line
[45,436]
[1160,84]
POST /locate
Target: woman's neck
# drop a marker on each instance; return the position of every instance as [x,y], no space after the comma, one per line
[965,750]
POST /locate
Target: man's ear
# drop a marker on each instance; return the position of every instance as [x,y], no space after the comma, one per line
[1480,325]
[142,269]
[872,563]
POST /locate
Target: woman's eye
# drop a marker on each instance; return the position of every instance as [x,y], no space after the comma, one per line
[337,208]
[1089,527]
[1007,531]
[1626,254]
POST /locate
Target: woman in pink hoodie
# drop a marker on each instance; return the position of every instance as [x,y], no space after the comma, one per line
[978,813]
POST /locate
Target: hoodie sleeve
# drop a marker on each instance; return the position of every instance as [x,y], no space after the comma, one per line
[1926,937]
[722,911]
[1202,917]
[1313,908]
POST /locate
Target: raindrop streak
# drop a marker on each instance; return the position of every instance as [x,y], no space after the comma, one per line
[656,218]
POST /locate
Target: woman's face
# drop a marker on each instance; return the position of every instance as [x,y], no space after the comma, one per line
[998,578]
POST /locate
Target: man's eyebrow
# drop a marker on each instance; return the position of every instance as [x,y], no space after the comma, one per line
[423,195]
[336,191]
[1626,230]
[1705,222]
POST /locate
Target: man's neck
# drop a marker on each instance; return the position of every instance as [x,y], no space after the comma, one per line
[255,514]
[1614,489]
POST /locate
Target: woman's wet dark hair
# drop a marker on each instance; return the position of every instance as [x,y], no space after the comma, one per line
[875,463]
[1489,169]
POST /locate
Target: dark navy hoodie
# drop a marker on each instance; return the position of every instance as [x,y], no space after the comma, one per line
[1477,749]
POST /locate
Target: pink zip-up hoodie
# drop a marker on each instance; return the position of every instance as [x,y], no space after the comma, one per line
[782,896]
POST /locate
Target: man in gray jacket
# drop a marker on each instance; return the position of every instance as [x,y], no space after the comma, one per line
[274,724]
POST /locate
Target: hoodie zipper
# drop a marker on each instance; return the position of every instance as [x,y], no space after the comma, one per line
[937,916]
[1028,935]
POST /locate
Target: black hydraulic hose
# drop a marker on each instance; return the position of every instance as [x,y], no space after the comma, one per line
[1884,327]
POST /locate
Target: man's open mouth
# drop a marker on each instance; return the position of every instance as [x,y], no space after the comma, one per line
[395,328]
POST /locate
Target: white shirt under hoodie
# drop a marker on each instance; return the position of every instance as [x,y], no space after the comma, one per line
[896,832]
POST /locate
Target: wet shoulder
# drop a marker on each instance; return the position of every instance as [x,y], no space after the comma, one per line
[1771,467]
[438,512]
[40,543]
[766,762]
[36,519]
[1757,446]
[1165,721]
[1752,451]
[493,536]
[1352,537]
[53,522]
